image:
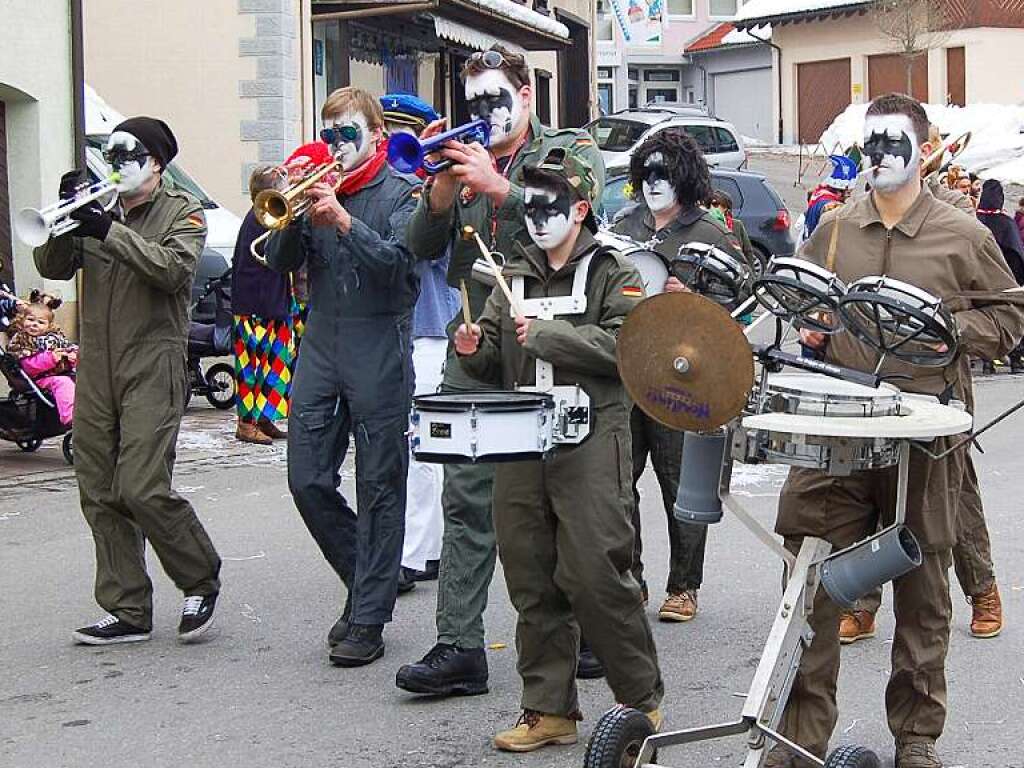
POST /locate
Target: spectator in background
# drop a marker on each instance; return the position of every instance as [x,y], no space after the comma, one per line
[722,201]
[264,350]
[1018,217]
[1008,237]
[831,193]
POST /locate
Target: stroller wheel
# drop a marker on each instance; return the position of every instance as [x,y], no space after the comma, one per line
[68,449]
[221,380]
[29,446]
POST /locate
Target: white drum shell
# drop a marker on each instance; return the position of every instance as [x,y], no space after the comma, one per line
[473,435]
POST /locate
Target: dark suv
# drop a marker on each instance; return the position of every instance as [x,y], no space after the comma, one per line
[754,202]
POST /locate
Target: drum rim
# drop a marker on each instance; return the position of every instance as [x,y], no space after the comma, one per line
[938,322]
[446,402]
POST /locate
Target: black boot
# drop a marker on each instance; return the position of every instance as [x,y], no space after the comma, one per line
[429,572]
[362,645]
[589,667]
[340,628]
[406,580]
[446,670]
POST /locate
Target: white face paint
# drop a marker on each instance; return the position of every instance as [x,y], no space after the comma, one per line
[891,150]
[355,152]
[658,191]
[133,171]
[549,217]
[491,96]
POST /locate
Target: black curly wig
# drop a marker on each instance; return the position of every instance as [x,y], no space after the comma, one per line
[687,170]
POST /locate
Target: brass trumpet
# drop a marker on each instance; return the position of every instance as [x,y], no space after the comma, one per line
[275,210]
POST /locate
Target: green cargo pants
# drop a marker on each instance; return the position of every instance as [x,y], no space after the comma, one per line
[126,426]
[566,546]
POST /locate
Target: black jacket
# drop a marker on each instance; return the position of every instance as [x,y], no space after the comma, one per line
[990,213]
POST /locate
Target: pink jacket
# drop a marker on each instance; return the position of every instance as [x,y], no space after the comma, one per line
[39,364]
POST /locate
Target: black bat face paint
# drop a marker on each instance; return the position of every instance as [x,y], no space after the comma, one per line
[891,146]
[658,191]
[655,169]
[548,217]
[491,96]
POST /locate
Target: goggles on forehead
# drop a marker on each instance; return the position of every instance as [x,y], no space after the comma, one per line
[118,156]
[339,134]
[490,59]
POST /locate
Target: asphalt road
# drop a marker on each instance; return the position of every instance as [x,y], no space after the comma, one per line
[261,693]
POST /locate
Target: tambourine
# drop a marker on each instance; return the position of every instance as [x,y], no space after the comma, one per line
[802,292]
[712,273]
[901,320]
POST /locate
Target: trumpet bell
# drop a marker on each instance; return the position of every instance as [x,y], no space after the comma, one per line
[273,209]
[32,227]
[407,154]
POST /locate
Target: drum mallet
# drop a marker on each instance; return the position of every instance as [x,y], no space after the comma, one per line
[468,233]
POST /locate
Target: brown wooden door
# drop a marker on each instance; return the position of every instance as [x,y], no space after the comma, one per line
[956,77]
[887,73]
[6,246]
[823,91]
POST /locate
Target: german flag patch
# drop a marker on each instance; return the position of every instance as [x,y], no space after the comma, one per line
[584,141]
[633,291]
[196,220]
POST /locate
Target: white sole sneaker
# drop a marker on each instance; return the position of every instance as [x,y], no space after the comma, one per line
[84,639]
[197,633]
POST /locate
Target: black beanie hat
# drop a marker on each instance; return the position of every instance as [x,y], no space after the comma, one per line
[155,136]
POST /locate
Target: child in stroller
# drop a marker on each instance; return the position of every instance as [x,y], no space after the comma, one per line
[38,363]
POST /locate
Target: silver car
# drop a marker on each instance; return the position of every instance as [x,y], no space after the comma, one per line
[618,134]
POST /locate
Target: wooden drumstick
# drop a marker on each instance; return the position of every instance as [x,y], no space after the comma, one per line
[466,316]
[469,233]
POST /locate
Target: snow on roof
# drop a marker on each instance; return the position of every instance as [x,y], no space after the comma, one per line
[523,15]
[737,36]
[763,9]
[726,34]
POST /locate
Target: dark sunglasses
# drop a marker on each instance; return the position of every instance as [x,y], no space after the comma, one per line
[339,133]
[119,156]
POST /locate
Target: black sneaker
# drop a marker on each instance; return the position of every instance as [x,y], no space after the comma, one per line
[196,617]
[109,631]
[429,572]
[446,670]
[589,667]
[362,645]
[406,580]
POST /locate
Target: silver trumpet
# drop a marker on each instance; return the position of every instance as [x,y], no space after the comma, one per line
[34,227]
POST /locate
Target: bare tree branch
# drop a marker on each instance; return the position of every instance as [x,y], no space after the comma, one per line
[912,27]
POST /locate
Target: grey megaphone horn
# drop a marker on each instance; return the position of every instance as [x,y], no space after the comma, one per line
[700,478]
[850,574]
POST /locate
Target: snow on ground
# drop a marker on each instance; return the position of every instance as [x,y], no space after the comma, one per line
[758,9]
[996,148]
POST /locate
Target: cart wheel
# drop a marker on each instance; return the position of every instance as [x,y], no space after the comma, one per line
[852,756]
[29,446]
[221,380]
[68,447]
[617,739]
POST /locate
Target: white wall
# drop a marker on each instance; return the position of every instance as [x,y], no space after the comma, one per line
[36,86]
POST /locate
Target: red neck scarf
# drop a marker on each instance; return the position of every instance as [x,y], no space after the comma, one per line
[358,178]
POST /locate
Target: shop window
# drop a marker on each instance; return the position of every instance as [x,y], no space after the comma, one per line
[680,7]
[662,95]
[723,8]
[605,97]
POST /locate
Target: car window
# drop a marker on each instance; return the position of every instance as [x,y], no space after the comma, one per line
[174,174]
[732,189]
[726,141]
[613,199]
[703,136]
[614,134]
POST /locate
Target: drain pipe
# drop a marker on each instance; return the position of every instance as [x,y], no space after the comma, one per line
[78,82]
[779,68]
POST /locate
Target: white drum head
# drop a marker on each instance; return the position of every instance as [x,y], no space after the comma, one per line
[812,394]
[651,266]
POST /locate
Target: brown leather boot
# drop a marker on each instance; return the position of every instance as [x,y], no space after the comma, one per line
[248,432]
[986,613]
[270,429]
[856,625]
[917,754]
[679,606]
[535,730]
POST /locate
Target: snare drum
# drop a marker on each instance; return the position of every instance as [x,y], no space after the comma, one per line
[802,292]
[814,395]
[470,427]
[650,265]
[712,273]
[900,319]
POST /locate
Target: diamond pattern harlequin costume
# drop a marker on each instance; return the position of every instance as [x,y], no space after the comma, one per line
[264,354]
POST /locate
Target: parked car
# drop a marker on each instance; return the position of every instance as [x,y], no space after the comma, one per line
[754,200]
[221,224]
[619,133]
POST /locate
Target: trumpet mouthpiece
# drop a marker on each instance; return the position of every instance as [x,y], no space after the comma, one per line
[115,177]
[468,232]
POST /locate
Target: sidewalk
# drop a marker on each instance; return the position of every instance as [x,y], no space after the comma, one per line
[207,436]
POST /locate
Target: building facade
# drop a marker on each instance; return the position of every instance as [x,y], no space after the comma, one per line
[831,57]
[37,129]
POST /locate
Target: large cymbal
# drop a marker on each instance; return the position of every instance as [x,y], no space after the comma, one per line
[685,361]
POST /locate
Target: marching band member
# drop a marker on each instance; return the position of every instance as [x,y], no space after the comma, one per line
[902,231]
[353,375]
[563,534]
[138,262]
[476,191]
[673,176]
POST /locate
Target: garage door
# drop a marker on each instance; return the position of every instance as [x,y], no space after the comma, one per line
[887,73]
[823,91]
[745,100]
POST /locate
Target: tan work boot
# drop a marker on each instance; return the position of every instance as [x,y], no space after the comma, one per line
[917,754]
[271,430]
[780,757]
[680,606]
[986,613]
[856,625]
[248,432]
[657,717]
[535,730]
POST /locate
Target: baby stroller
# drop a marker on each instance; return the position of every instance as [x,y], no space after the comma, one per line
[28,415]
[217,383]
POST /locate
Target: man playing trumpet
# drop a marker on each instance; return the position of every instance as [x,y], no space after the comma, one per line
[138,261]
[354,373]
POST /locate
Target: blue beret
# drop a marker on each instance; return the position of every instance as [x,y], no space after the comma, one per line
[404,108]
